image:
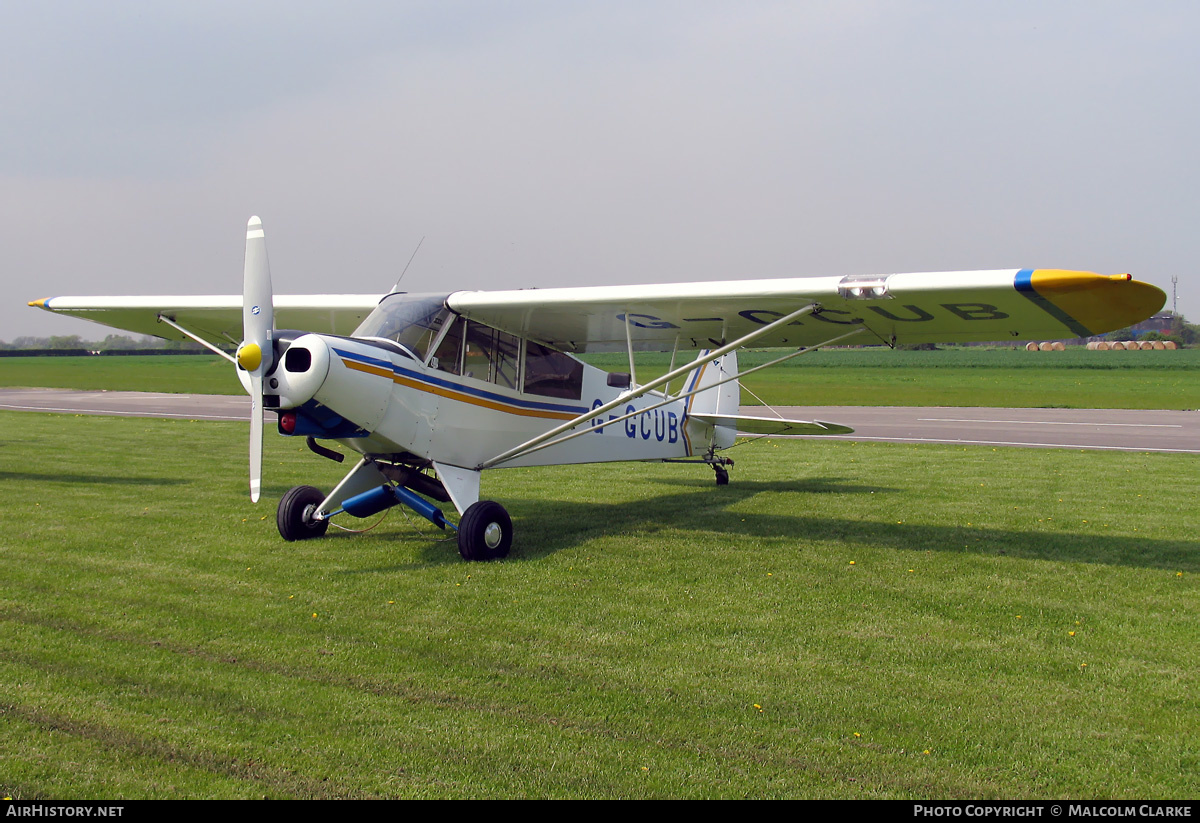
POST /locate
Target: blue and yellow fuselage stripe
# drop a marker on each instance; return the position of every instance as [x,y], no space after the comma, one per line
[455,391]
[690,386]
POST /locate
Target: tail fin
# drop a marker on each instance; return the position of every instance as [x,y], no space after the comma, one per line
[713,401]
[714,416]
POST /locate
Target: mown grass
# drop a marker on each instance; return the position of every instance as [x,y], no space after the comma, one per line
[843,377]
[842,620]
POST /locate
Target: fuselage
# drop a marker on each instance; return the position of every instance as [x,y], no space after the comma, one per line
[462,393]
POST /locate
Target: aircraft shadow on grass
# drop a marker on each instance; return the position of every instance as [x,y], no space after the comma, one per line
[549,526]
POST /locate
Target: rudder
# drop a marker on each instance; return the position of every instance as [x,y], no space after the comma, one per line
[713,400]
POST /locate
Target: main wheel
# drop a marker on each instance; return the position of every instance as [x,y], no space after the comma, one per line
[485,532]
[295,515]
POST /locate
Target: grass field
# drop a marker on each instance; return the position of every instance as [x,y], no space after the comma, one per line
[1077,379]
[180,374]
[851,377]
[843,620]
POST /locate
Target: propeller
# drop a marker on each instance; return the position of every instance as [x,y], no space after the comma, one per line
[256,354]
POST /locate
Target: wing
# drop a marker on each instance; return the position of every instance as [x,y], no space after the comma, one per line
[946,307]
[216,318]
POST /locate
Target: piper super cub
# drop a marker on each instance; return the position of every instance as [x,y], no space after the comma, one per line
[432,389]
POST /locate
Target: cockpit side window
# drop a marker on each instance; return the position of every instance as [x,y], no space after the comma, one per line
[448,357]
[506,361]
[480,352]
[491,355]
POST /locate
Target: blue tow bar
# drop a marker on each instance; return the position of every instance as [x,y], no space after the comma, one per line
[377,499]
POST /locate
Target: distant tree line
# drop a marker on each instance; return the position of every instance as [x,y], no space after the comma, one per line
[114,342]
[1179,330]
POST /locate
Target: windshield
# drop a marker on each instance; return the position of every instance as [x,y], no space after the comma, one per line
[412,320]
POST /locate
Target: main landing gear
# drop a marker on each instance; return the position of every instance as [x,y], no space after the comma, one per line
[484,533]
[295,515]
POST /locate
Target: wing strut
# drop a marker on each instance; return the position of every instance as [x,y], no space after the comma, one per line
[162,318]
[674,398]
[629,348]
[651,386]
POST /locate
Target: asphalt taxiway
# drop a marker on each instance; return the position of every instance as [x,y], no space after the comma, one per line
[1111,429]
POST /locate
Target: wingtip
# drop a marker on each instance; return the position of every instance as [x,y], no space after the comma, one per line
[44,303]
[1098,302]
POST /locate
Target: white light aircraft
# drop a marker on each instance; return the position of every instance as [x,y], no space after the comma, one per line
[432,389]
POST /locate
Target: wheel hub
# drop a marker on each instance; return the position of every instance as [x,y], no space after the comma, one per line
[492,535]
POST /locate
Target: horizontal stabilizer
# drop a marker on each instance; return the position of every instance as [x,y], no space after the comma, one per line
[772,425]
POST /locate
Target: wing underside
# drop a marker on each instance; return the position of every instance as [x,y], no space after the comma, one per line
[215,318]
[946,307]
[894,309]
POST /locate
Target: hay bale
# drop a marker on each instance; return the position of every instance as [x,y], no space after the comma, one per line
[1157,345]
[1058,345]
[1031,346]
[1045,346]
[1170,345]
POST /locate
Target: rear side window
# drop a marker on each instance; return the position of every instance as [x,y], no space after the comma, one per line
[551,373]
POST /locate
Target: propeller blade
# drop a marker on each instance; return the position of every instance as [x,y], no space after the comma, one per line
[258,310]
[256,354]
[256,438]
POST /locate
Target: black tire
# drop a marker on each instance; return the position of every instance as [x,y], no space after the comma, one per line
[722,477]
[485,532]
[294,516]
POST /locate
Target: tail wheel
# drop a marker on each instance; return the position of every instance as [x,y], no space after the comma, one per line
[295,515]
[485,532]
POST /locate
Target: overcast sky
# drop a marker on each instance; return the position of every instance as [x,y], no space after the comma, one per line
[581,143]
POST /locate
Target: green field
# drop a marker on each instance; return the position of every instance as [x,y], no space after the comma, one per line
[843,620]
[963,377]
[179,374]
[843,377]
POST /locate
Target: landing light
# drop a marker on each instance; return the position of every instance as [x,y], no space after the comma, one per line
[864,288]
